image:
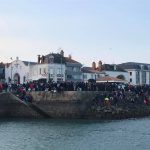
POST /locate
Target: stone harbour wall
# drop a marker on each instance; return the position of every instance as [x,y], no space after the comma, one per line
[69,104]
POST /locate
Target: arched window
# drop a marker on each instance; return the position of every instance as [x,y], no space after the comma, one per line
[51,59]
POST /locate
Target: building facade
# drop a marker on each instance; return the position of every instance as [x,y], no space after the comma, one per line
[116,71]
[139,73]
[73,70]
[89,73]
[101,70]
[52,67]
[56,67]
[2,72]
[18,71]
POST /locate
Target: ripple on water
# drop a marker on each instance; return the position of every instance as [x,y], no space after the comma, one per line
[74,134]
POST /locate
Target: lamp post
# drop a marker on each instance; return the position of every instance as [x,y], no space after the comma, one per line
[95,77]
[61,68]
[11,70]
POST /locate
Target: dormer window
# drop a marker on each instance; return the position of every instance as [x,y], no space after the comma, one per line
[51,59]
[142,67]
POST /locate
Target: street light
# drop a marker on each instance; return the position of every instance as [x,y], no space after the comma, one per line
[61,68]
[95,77]
[11,69]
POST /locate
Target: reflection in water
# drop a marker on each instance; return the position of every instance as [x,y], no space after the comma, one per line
[74,134]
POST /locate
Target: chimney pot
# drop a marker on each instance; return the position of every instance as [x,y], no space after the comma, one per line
[100,65]
[94,65]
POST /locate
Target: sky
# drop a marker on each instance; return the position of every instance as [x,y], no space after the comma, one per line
[113,31]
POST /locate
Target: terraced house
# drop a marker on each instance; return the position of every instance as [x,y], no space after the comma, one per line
[139,73]
[52,67]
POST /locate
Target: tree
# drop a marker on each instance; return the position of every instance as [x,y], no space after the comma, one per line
[121,77]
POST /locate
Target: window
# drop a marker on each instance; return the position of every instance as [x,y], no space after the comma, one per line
[130,80]
[137,77]
[84,76]
[59,71]
[51,59]
[70,68]
[40,70]
[98,76]
[51,71]
[1,70]
[143,77]
[59,79]
[130,73]
[24,79]
[69,76]
[44,70]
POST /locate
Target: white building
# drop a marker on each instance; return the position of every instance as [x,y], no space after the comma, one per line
[56,67]
[54,71]
[73,70]
[139,73]
[52,67]
[18,71]
[116,71]
[89,73]
[103,70]
[92,72]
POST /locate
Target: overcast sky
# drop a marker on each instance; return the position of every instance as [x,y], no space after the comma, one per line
[113,31]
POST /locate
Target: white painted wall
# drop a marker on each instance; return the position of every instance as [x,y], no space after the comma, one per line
[39,71]
[87,76]
[147,77]
[133,77]
[116,73]
[19,67]
[56,70]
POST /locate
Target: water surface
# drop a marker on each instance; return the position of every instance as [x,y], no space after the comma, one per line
[19,134]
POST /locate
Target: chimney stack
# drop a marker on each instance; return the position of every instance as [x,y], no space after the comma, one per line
[100,65]
[62,53]
[115,67]
[42,59]
[39,58]
[70,57]
[94,65]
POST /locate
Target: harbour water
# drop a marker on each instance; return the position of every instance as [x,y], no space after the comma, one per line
[132,134]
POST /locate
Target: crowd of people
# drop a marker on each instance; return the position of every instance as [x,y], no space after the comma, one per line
[112,93]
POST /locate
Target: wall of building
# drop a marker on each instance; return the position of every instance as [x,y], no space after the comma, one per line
[116,73]
[17,67]
[73,72]
[38,71]
[148,77]
[46,71]
[87,76]
[57,72]
[139,77]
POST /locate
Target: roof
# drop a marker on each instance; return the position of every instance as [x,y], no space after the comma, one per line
[58,58]
[110,79]
[111,67]
[70,60]
[90,70]
[29,62]
[2,65]
[134,65]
